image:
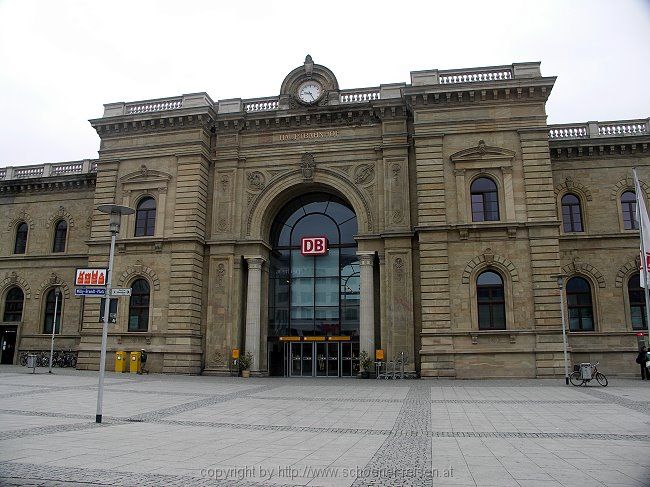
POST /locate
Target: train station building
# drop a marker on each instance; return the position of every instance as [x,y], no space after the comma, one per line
[429,219]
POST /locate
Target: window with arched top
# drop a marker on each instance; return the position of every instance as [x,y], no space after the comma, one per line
[60,236]
[571,214]
[52,305]
[485,200]
[14,305]
[490,296]
[139,305]
[637,303]
[579,303]
[20,244]
[628,208]
[145,217]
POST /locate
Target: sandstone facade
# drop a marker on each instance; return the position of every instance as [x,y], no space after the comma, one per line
[404,158]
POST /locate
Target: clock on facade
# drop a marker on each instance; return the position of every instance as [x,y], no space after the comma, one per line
[310,92]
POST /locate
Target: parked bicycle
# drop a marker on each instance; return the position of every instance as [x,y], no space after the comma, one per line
[60,358]
[584,373]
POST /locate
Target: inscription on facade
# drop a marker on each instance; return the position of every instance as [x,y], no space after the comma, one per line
[325,134]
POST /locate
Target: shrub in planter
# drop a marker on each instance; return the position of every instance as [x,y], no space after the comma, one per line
[245,362]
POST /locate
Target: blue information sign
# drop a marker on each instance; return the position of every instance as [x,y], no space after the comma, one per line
[90,291]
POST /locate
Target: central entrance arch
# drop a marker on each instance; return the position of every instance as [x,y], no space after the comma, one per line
[313,328]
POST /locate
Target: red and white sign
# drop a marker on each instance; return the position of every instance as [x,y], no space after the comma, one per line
[313,245]
[90,277]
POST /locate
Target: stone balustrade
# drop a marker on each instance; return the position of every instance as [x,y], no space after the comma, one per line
[154,106]
[261,105]
[359,96]
[498,73]
[47,170]
[618,128]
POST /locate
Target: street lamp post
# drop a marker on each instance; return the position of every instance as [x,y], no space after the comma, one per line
[57,293]
[560,284]
[115,212]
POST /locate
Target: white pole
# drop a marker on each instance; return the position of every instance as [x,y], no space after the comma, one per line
[102,357]
[564,340]
[644,260]
[56,307]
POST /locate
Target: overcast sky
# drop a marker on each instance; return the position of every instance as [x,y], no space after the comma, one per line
[61,60]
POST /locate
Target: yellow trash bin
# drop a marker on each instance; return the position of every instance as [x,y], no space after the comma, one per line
[134,366]
[120,361]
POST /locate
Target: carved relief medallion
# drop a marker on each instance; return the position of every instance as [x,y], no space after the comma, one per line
[364,173]
[256,180]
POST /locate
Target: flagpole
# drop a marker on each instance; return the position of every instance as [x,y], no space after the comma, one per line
[644,260]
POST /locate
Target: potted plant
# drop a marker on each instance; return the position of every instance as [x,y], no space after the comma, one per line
[245,362]
[366,365]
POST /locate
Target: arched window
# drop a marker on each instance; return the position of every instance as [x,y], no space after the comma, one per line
[628,207]
[21,238]
[485,200]
[491,301]
[145,218]
[60,235]
[571,213]
[139,306]
[50,304]
[14,305]
[578,296]
[637,303]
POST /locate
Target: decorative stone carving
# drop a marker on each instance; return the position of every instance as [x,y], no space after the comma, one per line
[495,260]
[139,269]
[13,279]
[576,267]
[398,268]
[256,180]
[364,173]
[22,216]
[307,166]
[396,169]
[53,280]
[627,269]
[225,181]
[221,276]
[60,214]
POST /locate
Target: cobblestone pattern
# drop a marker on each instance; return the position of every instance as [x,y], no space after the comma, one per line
[640,406]
[44,430]
[23,474]
[432,401]
[405,450]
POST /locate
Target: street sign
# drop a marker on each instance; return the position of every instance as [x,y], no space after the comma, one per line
[90,277]
[90,291]
[121,291]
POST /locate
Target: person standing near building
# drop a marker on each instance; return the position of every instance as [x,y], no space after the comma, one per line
[642,360]
[143,361]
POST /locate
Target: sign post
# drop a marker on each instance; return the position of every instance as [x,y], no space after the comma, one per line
[115,212]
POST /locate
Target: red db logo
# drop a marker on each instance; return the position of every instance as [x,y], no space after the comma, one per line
[313,245]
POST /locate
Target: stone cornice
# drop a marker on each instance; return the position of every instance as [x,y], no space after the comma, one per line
[510,90]
[62,183]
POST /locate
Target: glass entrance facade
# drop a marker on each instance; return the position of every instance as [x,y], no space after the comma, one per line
[313,296]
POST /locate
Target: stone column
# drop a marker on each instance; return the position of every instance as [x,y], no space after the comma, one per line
[253,309]
[367,305]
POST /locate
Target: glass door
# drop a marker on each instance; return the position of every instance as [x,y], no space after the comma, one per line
[349,359]
[321,359]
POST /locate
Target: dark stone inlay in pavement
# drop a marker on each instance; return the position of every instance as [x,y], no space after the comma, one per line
[405,452]
[21,474]
[640,406]
[45,430]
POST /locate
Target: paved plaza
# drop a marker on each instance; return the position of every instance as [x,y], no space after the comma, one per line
[179,430]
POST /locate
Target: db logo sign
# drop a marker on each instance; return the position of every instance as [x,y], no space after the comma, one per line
[313,245]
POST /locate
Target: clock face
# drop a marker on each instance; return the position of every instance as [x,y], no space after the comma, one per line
[310,91]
